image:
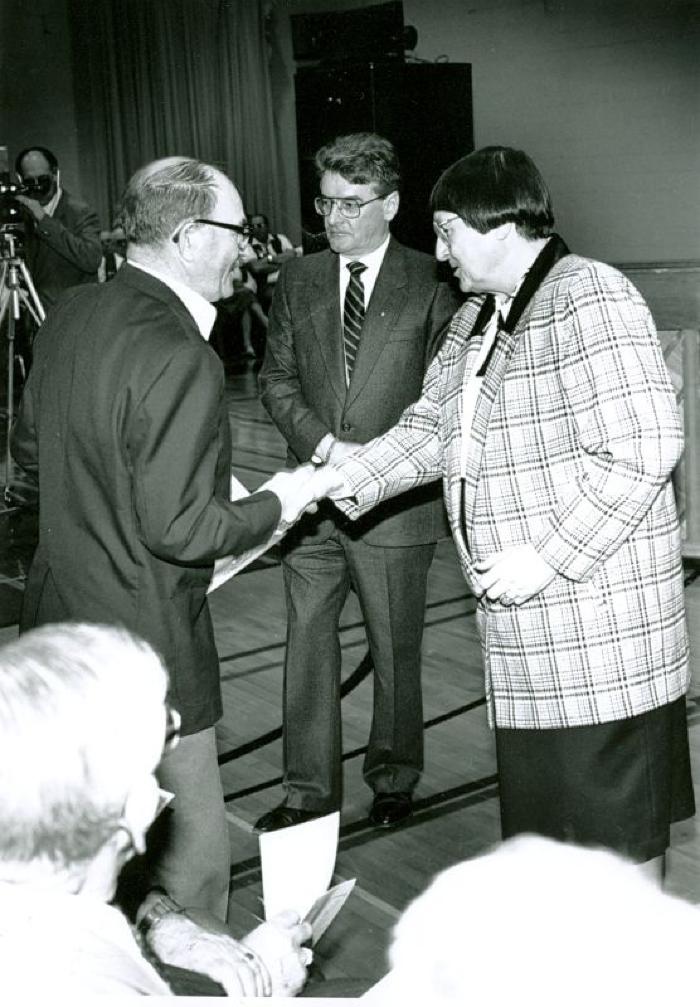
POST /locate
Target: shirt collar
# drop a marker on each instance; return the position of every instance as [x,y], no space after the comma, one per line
[203,313]
[372,259]
[50,207]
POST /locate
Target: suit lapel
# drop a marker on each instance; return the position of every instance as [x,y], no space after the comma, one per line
[507,339]
[388,297]
[324,312]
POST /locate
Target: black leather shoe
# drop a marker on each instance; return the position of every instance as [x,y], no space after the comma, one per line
[282,817]
[390,809]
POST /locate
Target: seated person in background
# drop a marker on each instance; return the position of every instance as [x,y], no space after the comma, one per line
[537,922]
[62,244]
[234,317]
[84,722]
[271,250]
[113,252]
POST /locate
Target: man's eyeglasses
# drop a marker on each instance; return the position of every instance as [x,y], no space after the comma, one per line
[439,226]
[243,231]
[349,208]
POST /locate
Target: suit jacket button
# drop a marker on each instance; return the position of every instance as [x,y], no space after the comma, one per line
[346,427]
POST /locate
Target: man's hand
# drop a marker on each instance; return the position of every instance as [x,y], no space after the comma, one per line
[178,940]
[341,450]
[514,575]
[279,944]
[329,482]
[36,209]
[297,490]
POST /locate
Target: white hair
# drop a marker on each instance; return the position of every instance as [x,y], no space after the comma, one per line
[81,719]
[540,922]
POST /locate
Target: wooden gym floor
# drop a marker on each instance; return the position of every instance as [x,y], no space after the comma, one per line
[457,799]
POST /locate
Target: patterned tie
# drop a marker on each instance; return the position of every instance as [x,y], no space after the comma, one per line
[353,315]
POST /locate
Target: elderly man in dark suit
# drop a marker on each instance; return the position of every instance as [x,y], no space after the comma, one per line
[352,330]
[124,423]
[63,245]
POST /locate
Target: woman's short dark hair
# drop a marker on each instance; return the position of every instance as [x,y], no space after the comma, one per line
[363,159]
[163,194]
[494,186]
[50,157]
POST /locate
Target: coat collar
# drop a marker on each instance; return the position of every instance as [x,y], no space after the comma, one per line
[385,303]
[553,251]
[130,276]
[500,357]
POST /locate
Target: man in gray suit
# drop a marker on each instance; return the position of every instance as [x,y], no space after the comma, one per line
[351,332]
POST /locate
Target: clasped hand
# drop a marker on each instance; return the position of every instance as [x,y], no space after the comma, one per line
[514,575]
[299,490]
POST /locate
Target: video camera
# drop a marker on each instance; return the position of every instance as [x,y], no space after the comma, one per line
[11,211]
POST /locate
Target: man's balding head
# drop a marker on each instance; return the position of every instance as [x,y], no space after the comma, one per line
[163,194]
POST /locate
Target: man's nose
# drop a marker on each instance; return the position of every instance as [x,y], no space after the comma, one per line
[335,212]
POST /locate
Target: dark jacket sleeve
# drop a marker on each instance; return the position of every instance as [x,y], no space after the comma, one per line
[173,445]
[76,237]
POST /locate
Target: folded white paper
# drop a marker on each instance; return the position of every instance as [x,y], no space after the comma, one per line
[229,566]
[297,864]
[326,908]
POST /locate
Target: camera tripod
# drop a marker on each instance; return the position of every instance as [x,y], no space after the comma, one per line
[17,295]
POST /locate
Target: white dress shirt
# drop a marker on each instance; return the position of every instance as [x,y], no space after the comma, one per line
[373,262]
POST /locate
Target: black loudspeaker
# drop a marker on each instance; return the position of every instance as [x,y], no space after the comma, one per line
[363,33]
[425,109]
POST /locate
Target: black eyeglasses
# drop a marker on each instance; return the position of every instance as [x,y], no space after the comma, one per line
[349,208]
[242,230]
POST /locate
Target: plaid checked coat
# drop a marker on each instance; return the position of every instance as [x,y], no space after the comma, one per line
[575,435]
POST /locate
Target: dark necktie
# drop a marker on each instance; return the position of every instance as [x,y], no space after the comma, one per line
[110,265]
[353,315]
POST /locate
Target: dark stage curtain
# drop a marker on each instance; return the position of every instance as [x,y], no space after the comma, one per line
[194,77]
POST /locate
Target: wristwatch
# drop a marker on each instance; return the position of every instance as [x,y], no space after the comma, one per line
[163,906]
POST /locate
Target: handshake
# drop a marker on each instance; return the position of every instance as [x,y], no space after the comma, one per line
[300,489]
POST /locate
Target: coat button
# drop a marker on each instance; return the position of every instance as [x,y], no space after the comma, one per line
[346,426]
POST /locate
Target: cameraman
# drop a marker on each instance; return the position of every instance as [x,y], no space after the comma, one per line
[62,245]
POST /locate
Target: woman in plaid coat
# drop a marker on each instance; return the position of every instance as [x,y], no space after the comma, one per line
[550,417]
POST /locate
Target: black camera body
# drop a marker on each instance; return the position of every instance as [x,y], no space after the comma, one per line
[11,211]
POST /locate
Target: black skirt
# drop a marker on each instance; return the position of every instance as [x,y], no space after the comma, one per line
[617,785]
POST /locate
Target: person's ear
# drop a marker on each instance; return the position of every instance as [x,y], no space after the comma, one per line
[391,205]
[190,242]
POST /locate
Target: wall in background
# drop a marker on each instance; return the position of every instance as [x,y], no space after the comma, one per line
[603,94]
[37,103]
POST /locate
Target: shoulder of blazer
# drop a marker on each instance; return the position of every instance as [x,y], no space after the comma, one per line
[308,267]
[419,265]
[69,207]
[149,287]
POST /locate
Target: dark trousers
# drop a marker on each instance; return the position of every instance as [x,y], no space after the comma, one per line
[391,587]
